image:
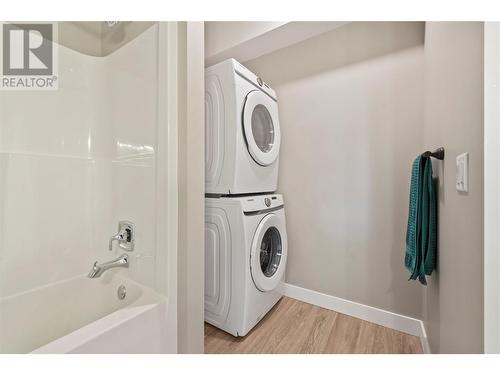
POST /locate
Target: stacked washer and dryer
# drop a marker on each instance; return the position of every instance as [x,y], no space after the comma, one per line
[245,233]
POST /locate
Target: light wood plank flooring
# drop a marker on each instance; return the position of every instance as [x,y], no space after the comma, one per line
[296,327]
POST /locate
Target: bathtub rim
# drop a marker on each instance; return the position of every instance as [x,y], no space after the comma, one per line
[89,332]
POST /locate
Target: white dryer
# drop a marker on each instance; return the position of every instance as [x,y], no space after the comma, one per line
[242,131]
[245,259]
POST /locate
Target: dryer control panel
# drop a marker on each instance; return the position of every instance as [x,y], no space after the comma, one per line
[254,79]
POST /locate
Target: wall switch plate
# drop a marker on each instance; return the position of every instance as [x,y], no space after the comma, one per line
[462,178]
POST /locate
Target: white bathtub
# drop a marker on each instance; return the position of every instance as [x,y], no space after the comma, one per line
[83,315]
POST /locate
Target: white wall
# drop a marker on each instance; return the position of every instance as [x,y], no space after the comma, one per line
[351,114]
[131,73]
[454,66]
[76,160]
[50,176]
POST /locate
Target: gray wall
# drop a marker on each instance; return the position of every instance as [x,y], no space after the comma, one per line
[453,301]
[96,38]
[84,37]
[351,113]
[116,36]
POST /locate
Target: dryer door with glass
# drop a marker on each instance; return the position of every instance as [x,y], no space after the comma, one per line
[268,253]
[261,127]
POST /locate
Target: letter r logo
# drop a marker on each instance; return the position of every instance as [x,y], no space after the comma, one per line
[27,49]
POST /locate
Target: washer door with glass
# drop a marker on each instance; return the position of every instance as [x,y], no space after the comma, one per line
[261,127]
[268,253]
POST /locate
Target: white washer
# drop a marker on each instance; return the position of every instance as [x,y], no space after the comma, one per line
[242,131]
[245,259]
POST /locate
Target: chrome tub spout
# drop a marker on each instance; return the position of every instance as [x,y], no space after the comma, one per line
[99,268]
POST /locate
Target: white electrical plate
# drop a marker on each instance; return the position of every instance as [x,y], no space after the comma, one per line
[462,177]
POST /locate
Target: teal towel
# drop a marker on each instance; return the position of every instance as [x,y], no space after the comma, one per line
[421,233]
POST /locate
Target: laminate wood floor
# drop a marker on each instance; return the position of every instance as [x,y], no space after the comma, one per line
[296,327]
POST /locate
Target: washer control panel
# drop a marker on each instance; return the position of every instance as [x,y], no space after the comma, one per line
[261,202]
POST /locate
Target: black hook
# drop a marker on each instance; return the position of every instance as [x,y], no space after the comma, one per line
[438,154]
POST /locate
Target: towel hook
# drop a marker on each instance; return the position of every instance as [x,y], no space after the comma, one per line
[438,154]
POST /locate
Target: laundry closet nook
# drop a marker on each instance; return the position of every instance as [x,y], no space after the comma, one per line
[311,131]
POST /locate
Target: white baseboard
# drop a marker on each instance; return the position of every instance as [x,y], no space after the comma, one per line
[371,314]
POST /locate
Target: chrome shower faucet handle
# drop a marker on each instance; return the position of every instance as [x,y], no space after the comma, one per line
[125,236]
